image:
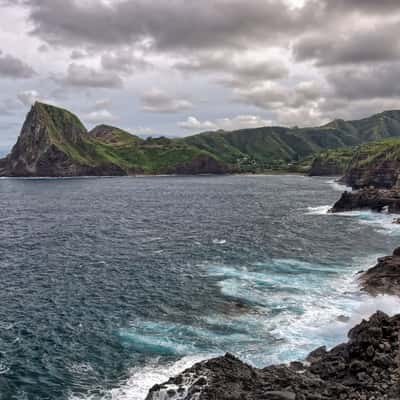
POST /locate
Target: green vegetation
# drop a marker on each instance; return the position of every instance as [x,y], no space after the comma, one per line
[375,152]
[295,149]
[106,145]
[331,146]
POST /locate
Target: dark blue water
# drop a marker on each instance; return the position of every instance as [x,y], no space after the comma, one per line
[109,285]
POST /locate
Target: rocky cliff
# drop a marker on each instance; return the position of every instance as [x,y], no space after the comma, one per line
[52,142]
[375,164]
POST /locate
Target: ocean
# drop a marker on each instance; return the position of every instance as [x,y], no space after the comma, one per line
[111,285]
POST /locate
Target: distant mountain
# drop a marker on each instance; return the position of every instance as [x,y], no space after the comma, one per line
[54,142]
[276,147]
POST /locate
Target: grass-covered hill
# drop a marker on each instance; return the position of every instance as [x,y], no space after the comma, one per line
[276,147]
[54,142]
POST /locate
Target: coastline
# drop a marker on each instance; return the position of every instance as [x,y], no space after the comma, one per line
[266,173]
[342,372]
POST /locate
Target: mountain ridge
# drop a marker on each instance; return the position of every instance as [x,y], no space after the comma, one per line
[54,142]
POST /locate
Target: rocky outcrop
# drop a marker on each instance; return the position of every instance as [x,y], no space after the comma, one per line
[380,174]
[324,167]
[373,199]
[384,277]
[52,143]
[366,367]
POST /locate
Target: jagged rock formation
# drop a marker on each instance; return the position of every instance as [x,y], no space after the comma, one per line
[382,174]
[373,199]
[366,367]
[52,143]
[384,277]
[374,164]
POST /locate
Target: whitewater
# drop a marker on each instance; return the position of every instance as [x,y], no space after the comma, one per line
[111,286]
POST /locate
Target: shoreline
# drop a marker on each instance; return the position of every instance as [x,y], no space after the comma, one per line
[340,373]
[222,377]
[270,173]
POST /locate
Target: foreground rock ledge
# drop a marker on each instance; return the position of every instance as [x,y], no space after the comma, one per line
[367,367]
[373,199]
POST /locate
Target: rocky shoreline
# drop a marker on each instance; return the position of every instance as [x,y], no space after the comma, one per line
[369,198]
[367,367]
[384,277]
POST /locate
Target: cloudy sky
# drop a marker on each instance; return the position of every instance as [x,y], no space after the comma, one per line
[177,67]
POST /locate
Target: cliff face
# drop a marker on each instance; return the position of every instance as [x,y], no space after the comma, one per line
[322,167]
[380,174]
[375,164]
[50,144]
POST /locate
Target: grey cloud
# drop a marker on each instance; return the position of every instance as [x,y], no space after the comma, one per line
[78,54]
[177,24]
[159,102]
[123,61]
[236,72]
[83,76]
[366,82]
[12,67]
[43,48]
[273,96]
[363,6]
[377,45]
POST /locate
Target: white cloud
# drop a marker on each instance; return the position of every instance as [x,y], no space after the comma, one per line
[102,104]
[100,116]
[228,124]
[194,123]
[157,101]
[28,97]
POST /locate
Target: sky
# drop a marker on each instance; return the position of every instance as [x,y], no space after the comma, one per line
[178,67]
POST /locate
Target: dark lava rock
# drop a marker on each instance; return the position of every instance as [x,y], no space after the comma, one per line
[366,367]
[373,199]
[327,167]
[380,173]
[384,277]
